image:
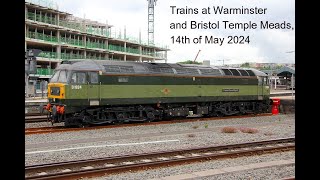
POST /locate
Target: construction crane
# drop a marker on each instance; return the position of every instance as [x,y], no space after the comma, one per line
[196,56]
[151,4]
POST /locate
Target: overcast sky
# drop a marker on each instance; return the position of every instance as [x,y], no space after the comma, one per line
[265,45]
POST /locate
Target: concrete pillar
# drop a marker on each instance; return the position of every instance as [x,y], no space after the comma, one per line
[140,50]
[58,52]
[107,29]
[125,57]
[106,42]
[111,55]
[139,36]
[25,12]
[59,45]
[25,35]
[36,33]
[26,76]
[58,20]
[166,58]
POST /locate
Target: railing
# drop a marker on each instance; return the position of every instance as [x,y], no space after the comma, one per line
[116,48]
[132,50]
[45,3]
[44,71]
[72,41]
[71,25]
[90,44]
[48,54]
[41,36]
[72,56]
[41,18]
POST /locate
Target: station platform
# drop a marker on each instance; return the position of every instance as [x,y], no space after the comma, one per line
[281,92]
[32,104]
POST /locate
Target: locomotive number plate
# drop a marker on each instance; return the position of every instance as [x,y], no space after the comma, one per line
[76,87]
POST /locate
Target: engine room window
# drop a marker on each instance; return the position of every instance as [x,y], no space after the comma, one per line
[123,79]
[260,81]
[265,81]
[78,78]
[93,77]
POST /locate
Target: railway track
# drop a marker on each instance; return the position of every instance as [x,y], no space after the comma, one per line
[32,114]
[35,118]
[117,164]
[42,130]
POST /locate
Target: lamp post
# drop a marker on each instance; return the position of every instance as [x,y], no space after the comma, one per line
[292,84]
[292,79]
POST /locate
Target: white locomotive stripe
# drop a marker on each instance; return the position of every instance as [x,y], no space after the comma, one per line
[111,145]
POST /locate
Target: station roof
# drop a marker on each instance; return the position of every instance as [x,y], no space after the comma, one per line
[286,71]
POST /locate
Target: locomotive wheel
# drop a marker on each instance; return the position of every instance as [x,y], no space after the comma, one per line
[120,119]
[150,116]
[220,114]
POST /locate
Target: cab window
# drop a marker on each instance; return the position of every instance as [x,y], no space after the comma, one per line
[55,77]
[78,78]
[59,76]
[63,76]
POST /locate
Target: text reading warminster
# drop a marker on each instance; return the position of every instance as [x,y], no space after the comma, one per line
[242,10]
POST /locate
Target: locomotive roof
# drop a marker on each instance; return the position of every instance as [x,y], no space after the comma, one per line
[129,67]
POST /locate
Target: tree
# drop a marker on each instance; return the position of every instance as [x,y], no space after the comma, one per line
[189,62]
[245,65]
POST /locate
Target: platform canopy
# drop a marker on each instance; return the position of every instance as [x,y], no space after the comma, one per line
[286,71]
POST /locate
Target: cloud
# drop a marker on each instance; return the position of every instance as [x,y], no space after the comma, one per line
[265,45]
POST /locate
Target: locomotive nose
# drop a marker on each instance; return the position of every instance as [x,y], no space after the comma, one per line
[56,90]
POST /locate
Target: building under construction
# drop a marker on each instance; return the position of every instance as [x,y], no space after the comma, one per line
[62,36]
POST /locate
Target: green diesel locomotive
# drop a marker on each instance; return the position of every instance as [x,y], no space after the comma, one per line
[84,92]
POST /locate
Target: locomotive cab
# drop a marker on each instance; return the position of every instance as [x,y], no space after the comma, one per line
[56,86]
[70,84]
